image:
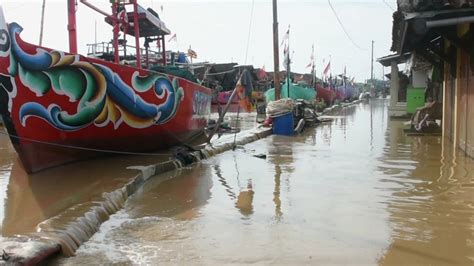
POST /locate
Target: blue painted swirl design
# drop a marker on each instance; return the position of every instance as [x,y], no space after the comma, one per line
[100,94]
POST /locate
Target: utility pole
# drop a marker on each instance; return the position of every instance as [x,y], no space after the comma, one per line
[276,52]
[372,65]
[42,23]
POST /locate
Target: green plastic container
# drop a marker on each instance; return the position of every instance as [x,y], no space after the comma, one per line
[415,99]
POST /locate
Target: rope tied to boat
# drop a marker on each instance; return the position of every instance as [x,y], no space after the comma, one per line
[83,148]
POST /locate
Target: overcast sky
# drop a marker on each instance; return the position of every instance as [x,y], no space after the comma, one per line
[218,30]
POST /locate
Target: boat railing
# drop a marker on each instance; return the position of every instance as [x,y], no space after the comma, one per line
[127,53]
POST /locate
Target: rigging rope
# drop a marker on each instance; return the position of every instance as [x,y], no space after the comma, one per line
[389,6]
[237,125]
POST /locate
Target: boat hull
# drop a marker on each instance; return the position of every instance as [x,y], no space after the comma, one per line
[59,107]
[346,92]
[326,94]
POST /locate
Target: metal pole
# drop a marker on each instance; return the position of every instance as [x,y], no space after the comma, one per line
[137,33]
[115,26]
[276,51]
[288,70]
[42,23]
[372,65]
[163,45]
[71,27]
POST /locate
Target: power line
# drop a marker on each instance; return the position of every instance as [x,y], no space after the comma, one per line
[344,28]
[389,6]
[250,30]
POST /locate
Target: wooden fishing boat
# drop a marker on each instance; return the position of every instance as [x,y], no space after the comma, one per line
[326,93]
[61,107]
[346,92]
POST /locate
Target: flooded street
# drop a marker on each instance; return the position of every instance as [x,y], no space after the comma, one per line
[354,191]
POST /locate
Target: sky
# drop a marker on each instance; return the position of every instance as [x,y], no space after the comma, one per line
[220,30]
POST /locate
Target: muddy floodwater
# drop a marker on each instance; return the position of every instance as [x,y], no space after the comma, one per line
[356,191]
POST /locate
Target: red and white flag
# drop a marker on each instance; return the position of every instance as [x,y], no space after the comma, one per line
[327,69]
[173,38]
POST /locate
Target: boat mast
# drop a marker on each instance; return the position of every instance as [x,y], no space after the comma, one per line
[71,27]
[42,23]
[276,57]
[288,63]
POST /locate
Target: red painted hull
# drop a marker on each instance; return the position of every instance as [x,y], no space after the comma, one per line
[90,104]
[325,94]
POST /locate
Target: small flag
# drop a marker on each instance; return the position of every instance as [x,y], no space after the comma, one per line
[327,69]
[173,38]
[192,53]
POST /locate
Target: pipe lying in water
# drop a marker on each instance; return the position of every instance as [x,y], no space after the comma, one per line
[66,232]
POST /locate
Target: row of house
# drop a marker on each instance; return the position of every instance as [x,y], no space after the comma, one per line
[435,39]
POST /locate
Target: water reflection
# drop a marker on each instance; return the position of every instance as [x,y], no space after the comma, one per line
[31,199]
[245,200]
[343,193]
[280,155]
[432,202]
[178,194]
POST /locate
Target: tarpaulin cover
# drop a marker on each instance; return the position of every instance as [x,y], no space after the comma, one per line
[296,92]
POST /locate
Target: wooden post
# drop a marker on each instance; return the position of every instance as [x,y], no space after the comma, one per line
[276,52]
